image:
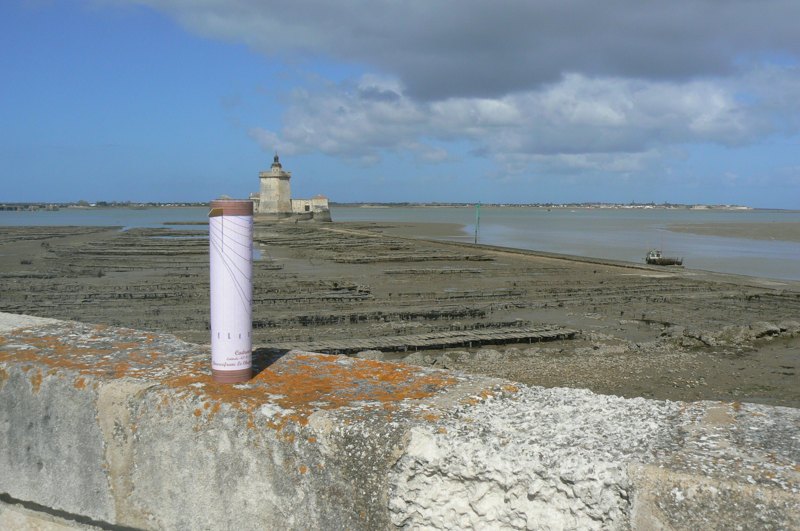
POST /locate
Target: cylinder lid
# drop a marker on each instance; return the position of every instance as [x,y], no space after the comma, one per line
[231,207]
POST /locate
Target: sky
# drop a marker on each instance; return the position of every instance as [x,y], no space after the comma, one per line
[508,101]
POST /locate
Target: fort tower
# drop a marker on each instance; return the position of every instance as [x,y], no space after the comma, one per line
[275,194]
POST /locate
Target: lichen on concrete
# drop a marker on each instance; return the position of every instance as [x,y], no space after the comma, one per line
[154,427]
[127,428]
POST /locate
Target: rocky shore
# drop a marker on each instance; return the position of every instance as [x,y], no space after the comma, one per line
[623,329]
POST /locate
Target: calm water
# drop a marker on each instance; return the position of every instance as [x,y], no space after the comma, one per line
[603,233]
[106,217]
[615,234]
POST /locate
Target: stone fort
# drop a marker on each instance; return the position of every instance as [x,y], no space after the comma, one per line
[274,198]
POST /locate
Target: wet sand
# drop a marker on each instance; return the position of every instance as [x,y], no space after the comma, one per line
[433,231]
[640,331]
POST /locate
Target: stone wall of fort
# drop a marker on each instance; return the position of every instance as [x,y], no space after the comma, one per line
[274,194]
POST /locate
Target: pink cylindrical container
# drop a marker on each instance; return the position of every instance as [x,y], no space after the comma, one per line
[230,235]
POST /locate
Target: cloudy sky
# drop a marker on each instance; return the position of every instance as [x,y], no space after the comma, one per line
[692,101]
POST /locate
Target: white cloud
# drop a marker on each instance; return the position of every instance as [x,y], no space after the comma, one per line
[550,85]
[579,123]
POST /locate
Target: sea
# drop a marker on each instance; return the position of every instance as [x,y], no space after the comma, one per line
[610,233]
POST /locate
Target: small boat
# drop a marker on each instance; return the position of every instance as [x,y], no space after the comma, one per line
[655,257]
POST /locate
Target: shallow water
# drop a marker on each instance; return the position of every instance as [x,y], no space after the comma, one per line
[108,217]
[618,234]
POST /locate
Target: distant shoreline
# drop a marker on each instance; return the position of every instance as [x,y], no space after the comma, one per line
[47,205]
[562,206]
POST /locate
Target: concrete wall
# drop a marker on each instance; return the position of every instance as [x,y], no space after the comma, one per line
[105,426]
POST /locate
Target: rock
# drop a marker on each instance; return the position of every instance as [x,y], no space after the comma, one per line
[420,358]
[791,328]
[700,336]
[487,354]
[370,355]
[734,335]
[460,356]
[762,329]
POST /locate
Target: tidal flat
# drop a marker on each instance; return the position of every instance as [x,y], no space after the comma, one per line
[541,319]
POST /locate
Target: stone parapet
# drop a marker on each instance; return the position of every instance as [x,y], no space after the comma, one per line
[103,426]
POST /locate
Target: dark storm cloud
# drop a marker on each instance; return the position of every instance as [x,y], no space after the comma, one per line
[445,48]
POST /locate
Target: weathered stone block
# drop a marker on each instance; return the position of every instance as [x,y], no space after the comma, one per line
[113,426]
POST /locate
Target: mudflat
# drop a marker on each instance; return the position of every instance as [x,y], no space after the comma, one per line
[390,291]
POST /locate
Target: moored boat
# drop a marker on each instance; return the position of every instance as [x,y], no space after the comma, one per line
[654,257]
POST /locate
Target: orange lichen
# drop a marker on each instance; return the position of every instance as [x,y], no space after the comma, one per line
[303,469]
[111,354]
[138,356]
[36,381]
[197,412]
[60,353]
[126,345]
[477,399]
[303,383]
[312,439]
[297,384]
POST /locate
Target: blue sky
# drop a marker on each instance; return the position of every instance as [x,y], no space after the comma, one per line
[435,100]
